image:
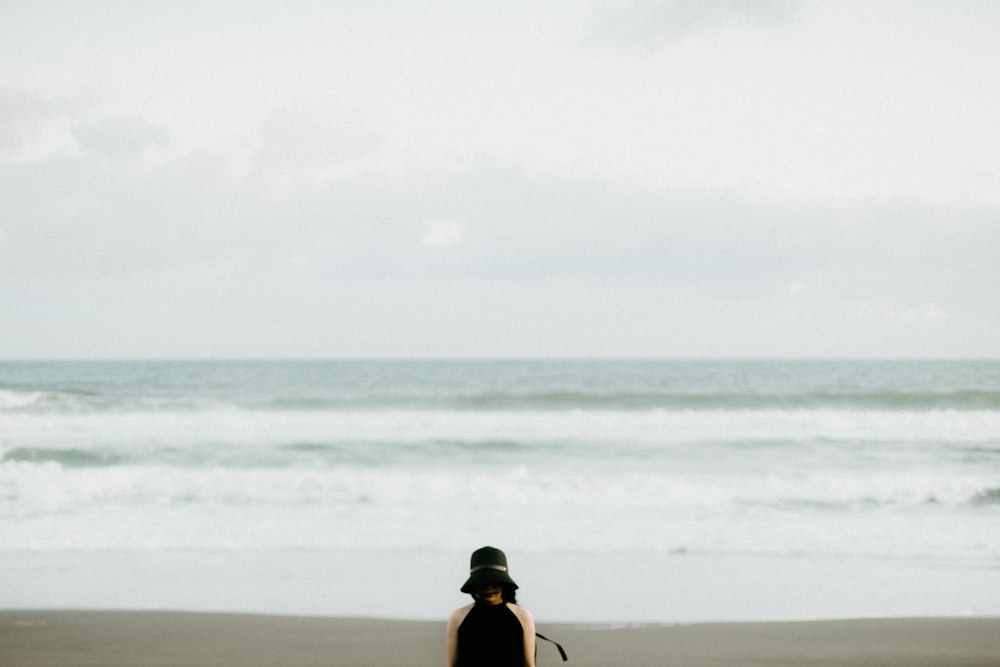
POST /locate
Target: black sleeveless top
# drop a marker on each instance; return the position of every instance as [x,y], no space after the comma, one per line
[491,636]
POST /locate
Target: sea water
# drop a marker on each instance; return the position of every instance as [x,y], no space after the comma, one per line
[621,490]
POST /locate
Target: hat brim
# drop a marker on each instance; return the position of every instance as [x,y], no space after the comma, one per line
[483,577]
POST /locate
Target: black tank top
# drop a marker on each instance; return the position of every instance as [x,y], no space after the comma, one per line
[491,636]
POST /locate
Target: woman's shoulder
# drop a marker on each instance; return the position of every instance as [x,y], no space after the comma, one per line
[522,614]
[459,615]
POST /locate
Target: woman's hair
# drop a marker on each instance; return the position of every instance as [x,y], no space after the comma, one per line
[509,594]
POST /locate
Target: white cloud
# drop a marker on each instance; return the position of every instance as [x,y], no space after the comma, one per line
[33,124]
[797,288]
[308,143]
[20,112]
[442,234]
[119,137]
[312,134]
[901,316]
[213,272]
[644,23]
[925,314]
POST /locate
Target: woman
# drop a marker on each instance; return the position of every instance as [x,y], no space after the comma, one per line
[493,631]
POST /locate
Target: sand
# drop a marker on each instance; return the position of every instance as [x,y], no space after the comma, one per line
[110,639]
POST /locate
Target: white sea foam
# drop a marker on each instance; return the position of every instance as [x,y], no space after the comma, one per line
[12,400]
[577,427]
[538,506]
[230,460]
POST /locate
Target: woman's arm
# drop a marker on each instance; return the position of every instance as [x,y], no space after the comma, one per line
[451,635]
[528,624]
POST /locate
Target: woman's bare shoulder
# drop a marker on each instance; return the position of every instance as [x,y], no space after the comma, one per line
[522,614]
[459,615]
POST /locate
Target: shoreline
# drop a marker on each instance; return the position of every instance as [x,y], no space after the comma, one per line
[83,638]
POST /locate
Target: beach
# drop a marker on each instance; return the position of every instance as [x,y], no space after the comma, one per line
[40,638]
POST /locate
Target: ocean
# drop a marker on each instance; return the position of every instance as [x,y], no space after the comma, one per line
[621,491]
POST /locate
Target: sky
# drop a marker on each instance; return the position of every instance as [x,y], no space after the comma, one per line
[445,179]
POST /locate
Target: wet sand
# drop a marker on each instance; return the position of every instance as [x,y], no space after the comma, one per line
[140,639]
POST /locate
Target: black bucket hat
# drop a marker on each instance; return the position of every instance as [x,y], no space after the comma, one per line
[487,566]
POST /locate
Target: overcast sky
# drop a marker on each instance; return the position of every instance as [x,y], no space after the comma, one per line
[499,179]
